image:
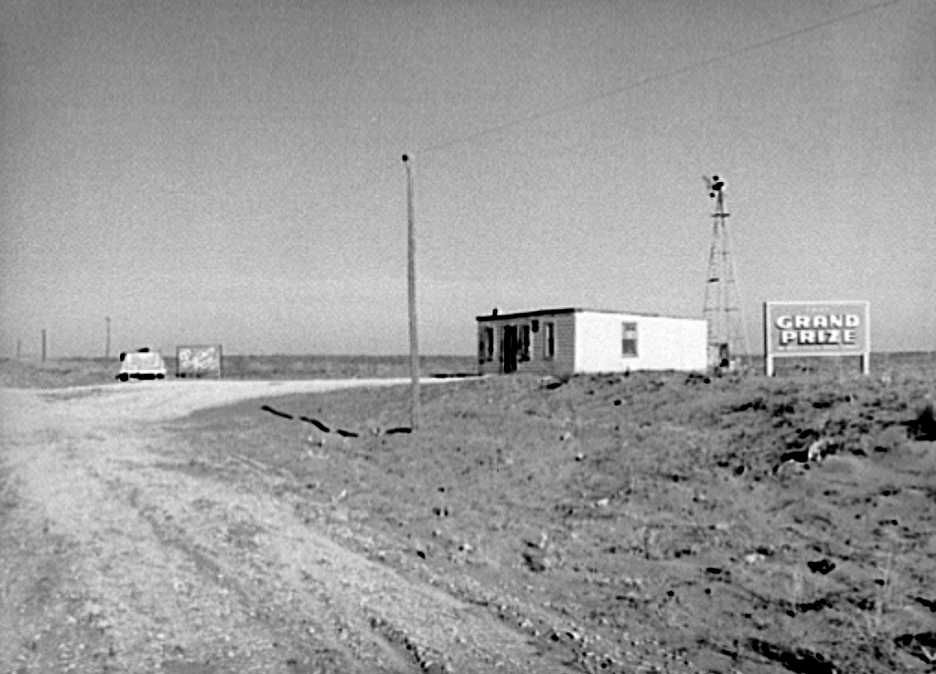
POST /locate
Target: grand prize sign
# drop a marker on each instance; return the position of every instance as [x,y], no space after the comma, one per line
[825,328]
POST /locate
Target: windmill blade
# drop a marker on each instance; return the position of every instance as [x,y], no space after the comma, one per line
[708,182]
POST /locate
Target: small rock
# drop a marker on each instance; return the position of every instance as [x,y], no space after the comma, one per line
[821,566]
[536,561]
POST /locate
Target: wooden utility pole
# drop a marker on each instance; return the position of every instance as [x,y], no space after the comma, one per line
[19,349]
[415,412]
[43,344]
[107,340]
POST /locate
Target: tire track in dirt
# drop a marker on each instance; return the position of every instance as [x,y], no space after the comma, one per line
[190,573]
[157,604]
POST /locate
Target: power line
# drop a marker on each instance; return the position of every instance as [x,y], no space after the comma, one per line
[650,79]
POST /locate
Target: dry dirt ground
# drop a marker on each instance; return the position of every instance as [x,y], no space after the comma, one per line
[647,523]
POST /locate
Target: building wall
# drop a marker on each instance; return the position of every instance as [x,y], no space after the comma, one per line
[561,363]
[663,343]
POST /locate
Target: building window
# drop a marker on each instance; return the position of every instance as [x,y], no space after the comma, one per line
[549,340]
[629,339]
[524,346]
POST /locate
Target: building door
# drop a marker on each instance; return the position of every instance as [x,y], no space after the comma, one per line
[510,348]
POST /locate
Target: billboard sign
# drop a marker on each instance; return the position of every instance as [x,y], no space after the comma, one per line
[198,361]
[821,328]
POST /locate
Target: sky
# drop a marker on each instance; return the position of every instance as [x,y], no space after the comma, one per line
[230,172]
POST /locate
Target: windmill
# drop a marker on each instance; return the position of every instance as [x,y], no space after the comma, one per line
[726,337]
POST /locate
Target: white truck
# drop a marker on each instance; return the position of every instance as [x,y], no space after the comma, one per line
[141,364]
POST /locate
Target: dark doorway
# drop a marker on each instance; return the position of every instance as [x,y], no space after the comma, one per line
[724,358]
[510,348]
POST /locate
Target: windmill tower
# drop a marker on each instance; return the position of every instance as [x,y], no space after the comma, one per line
[726,337]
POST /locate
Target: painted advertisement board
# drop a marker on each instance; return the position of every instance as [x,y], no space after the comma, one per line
[817,328]
[198,361]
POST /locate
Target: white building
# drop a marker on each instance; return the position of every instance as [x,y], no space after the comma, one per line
[572,340]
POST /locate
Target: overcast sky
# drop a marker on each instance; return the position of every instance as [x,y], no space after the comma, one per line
[230,171]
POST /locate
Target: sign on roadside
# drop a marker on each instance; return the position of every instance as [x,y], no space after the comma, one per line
[198,361]
[820,328]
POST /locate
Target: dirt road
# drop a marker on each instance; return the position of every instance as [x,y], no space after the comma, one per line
[114,557]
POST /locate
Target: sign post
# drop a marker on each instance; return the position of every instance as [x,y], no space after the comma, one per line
[820,328]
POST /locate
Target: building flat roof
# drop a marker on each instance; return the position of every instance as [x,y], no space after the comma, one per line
[570,310]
